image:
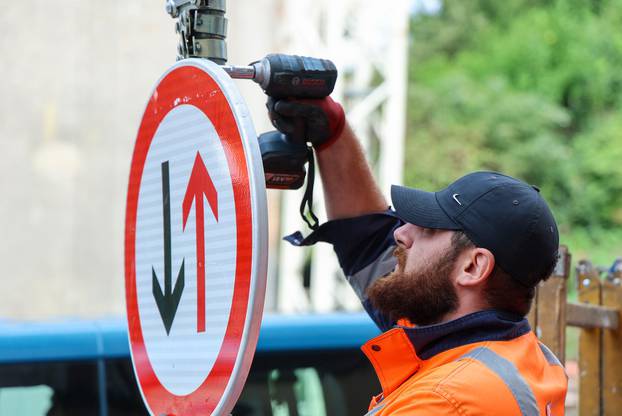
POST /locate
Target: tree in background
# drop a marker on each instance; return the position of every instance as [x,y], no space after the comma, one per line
[530,88]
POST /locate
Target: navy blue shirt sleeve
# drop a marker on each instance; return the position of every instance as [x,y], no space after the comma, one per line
[364,246]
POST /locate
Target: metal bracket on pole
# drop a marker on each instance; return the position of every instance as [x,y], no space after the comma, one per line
[202,27]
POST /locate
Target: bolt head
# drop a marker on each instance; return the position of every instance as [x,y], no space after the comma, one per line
[171,9]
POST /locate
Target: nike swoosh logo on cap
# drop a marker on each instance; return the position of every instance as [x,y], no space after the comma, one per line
[455,197]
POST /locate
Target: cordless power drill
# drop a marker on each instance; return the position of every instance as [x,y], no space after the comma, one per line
[287,76]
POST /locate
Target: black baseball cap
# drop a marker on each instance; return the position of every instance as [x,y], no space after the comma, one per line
[502,214]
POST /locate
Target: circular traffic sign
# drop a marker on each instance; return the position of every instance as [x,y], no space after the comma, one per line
[195,243]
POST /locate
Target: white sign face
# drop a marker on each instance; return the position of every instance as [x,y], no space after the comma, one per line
[182,131]
[196,243]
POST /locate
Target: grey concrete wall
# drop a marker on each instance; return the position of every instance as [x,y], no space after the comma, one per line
[74,79]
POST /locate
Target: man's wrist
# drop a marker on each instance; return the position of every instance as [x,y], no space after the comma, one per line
[338,120]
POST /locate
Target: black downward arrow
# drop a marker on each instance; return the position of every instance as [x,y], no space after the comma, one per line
[168,301]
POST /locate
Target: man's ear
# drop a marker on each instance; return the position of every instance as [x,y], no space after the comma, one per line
[475,266]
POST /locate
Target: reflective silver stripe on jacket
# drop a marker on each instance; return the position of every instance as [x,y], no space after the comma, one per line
[511,377]
[548,354]
[375,410]
[362,279]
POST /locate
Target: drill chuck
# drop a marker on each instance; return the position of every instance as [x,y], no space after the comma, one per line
[257,71]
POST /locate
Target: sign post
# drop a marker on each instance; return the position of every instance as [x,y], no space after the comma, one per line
[195,243]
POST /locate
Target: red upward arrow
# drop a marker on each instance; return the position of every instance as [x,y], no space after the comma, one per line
[200,184]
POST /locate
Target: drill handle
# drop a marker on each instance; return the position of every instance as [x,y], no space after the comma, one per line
[299,133]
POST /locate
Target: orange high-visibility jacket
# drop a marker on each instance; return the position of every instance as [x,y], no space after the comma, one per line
[486,363]
[517,376]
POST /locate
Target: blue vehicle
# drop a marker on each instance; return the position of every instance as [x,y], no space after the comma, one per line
[305,365]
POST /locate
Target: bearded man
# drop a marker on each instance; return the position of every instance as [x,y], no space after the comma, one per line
[449,276]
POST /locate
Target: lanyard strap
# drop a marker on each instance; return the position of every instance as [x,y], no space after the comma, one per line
[309,217]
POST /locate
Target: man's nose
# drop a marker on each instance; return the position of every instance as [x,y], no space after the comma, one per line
[402,236]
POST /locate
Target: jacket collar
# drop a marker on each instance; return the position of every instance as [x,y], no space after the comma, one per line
[398,353]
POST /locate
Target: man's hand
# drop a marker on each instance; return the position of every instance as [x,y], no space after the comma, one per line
[319,121]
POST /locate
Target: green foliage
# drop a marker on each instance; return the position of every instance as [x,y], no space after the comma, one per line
[530,88]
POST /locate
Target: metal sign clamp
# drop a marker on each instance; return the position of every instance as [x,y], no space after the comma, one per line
[202,28]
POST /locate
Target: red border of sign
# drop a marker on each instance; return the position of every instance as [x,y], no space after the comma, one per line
[190,85]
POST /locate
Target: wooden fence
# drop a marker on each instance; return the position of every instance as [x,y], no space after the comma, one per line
[597,314]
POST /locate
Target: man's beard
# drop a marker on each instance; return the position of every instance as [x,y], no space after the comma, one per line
[423,296]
